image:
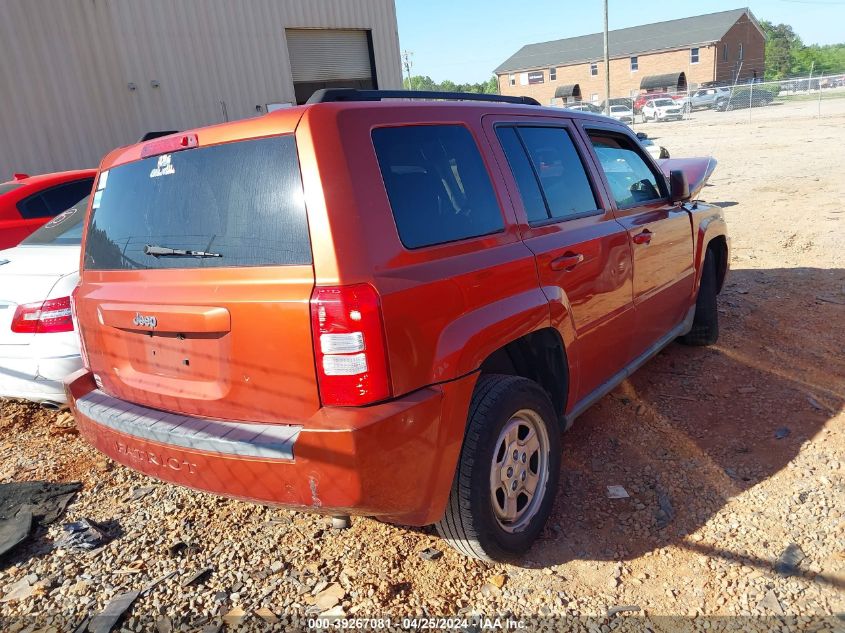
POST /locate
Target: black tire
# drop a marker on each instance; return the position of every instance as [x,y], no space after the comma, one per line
[705,325]
[470,524]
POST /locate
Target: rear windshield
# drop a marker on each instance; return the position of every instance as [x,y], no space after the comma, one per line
[63,230]
[241,202]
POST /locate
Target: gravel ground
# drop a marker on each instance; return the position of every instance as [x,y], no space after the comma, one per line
[731,456]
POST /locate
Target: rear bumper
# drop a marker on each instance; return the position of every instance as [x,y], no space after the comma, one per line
[395,460]
[36,379]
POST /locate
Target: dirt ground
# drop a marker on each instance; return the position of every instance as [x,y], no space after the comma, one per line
[730,454]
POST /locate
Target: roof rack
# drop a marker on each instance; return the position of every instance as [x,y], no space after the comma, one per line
[331,95]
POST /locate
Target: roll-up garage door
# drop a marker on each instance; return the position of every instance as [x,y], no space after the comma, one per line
[329,58]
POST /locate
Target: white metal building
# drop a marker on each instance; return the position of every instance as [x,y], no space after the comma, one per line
[80,77]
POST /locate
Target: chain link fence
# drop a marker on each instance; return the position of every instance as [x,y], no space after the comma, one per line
[796,98]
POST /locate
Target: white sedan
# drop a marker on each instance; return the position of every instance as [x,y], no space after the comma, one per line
[39,346]
[622,113]
[663,110]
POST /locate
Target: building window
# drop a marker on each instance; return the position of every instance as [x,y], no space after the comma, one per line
[552,74]
[594,69]
[635,64]
[693,55]
[724,52]
[536,77]
[512,79]
[523,79]
[741,53]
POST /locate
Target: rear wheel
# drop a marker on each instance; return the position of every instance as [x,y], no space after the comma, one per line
[705,326]
[507,473]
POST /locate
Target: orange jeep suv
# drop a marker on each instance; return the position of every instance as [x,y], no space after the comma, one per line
[384,303]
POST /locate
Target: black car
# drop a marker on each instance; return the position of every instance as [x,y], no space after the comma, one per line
[743,98]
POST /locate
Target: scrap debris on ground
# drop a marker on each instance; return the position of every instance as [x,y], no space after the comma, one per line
[731,459]
[28,504]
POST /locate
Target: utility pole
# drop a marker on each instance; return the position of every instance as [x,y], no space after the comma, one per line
[606,66]
[406,60]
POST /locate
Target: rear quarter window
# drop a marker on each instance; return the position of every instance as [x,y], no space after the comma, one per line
[241,200]
[50,202]
[437,184]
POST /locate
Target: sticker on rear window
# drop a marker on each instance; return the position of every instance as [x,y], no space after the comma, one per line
[163,168]
[104,178]
[61,218]
[98,195]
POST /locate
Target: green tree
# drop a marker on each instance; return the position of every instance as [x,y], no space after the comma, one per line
[424,82]
[787,56]
[781,45]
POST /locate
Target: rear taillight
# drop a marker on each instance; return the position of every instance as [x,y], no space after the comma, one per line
[83,353]
[45,317]
[349,345]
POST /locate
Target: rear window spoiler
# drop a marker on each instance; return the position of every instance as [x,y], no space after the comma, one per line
[151,135]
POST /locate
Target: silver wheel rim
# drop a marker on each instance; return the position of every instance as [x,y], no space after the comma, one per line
[519,470]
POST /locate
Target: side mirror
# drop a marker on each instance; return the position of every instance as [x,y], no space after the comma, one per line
[678,186]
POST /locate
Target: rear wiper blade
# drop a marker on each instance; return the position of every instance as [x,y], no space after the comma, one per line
[165,251]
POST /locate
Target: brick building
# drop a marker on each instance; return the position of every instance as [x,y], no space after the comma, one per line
[675,55]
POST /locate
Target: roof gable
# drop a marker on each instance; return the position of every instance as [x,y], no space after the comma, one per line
[668,35]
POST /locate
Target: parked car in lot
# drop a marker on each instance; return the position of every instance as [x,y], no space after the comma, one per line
[645,97]
[622,113]
[618,101]
[743,97]
[704,98]
[390,308]
[584,107]
[662,110]
[38,344]
[27,202]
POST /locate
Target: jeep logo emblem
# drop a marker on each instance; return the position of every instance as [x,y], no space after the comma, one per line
[144,321]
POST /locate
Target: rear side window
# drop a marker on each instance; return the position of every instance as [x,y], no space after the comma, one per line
[632,182]
[437,184]
[241,201]
[546,164]
[523,173]
[63,230]
[33,207]
[55,200]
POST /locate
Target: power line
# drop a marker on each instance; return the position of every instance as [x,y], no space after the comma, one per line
[406,60]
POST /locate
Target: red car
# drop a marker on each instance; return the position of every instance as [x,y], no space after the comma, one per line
[387,308]
[27,202]
[645,97]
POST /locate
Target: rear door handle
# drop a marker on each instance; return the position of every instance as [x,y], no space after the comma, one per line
[567,261]
[642,238]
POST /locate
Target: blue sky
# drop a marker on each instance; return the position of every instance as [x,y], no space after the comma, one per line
[464,40]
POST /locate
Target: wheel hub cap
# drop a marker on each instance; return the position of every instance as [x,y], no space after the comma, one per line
[519,470]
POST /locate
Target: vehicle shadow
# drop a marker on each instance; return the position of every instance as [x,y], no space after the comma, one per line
[695,427]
